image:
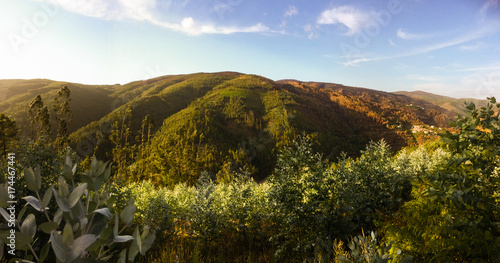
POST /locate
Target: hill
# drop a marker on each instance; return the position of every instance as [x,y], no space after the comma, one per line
[451,104]
[89,103]
[219,122]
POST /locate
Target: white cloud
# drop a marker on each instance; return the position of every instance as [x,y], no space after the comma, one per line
[409,36]
[356,61]
[291,11]
[189,26]
[142,10]
[354,19]
[310,31]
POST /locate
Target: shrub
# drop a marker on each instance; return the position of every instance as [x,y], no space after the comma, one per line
[83,226]
[454,214]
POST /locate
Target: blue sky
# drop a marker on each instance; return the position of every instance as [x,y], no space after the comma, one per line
[445,47]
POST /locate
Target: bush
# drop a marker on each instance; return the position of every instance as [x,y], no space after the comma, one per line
[454,214]
[83,226]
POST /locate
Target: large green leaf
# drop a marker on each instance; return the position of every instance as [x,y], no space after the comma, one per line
[122,239]
[68,237]
[34,202]
[115,227]
[31,182]
[63,187]
[44,252]
[105,212]
[80,245]
[29,226]
[77,194]
[60,249]
[47,197]
[47,227]
[5,214]
[147,241]
[127,215]
[62,202]
[22,241]
[136,245]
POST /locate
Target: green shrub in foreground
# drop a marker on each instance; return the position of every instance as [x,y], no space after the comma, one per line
[83,227]
[454,213]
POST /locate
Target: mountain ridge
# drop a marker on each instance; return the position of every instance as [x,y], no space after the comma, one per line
[228,120]
[451,104]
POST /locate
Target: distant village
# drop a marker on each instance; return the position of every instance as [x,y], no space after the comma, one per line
[425,129]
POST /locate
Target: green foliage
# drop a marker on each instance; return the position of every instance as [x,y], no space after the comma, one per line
[63,115]
[303,201]
[316,203]
[8,132]
[39,116]
[191,177]
[367,249]
[83,226]
[454,214]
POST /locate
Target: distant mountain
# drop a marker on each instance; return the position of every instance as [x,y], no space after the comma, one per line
[225,121]
[451,104]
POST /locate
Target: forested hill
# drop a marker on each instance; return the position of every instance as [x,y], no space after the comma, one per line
[454,105]
[223,121]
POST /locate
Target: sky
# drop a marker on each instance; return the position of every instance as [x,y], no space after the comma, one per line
[446,47]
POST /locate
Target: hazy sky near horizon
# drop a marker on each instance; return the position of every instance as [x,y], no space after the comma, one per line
[446,47]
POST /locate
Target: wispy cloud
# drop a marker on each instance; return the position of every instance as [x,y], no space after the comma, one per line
[485,68]
[482,32]
[142,10]
[411,36]
[351,17]
[472,47]
[310,31]
[291,11]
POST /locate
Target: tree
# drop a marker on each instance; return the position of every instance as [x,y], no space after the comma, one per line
[63,115]
[454,216]
[120,137]
[39,116]
[8,131]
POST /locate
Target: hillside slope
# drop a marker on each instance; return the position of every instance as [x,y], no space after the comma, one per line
[89,103]
[244,121]
[451,104]
[218,122]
